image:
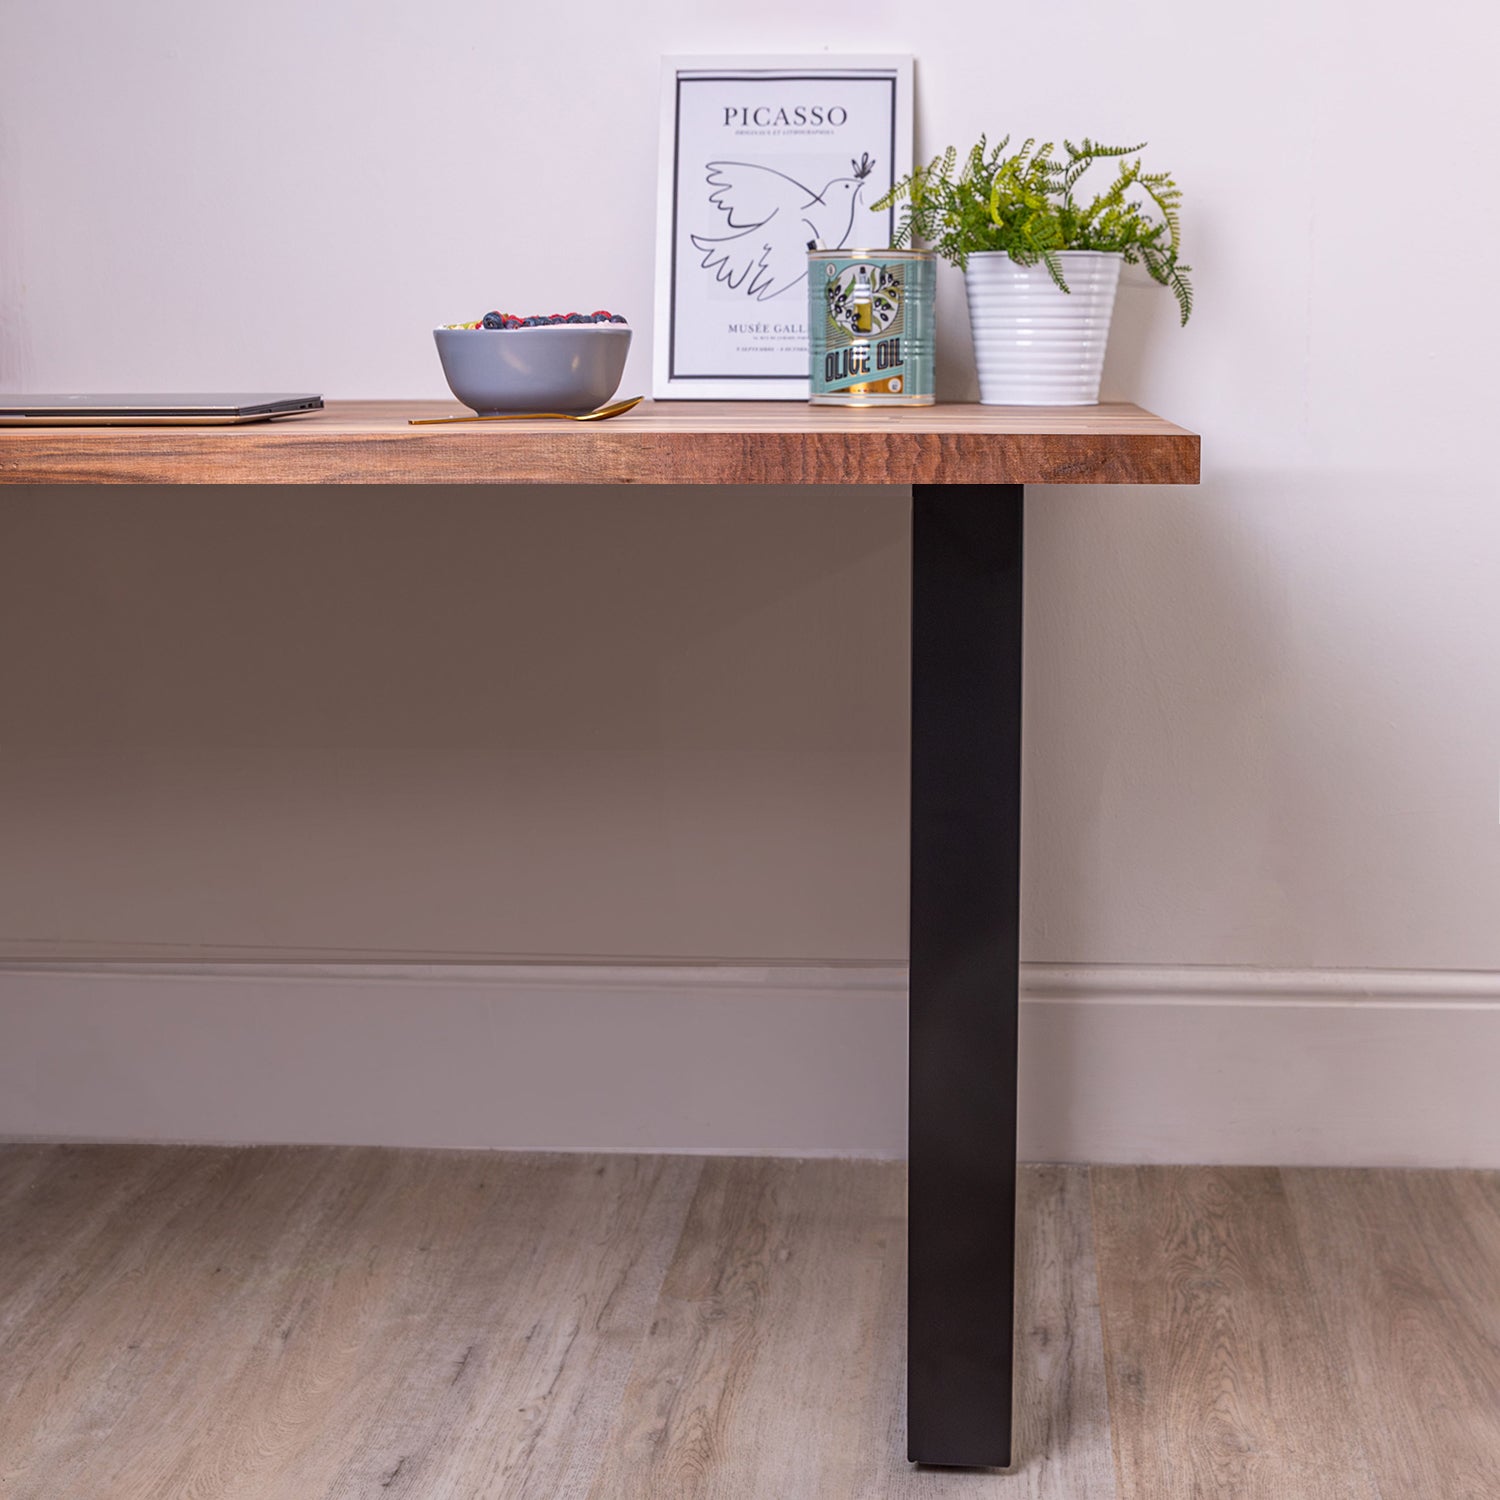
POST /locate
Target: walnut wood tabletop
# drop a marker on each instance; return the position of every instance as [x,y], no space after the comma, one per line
[672,442]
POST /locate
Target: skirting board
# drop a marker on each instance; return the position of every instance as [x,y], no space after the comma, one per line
[1118,1063]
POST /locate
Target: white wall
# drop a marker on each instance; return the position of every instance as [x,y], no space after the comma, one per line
[1263,723]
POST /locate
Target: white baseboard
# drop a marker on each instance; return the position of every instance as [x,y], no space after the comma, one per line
[1118,1062]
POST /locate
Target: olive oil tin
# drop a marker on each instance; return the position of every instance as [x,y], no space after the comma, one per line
[870,327]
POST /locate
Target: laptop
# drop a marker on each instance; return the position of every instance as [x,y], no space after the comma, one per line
[53,409]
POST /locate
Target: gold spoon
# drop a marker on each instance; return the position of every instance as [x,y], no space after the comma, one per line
[599,414]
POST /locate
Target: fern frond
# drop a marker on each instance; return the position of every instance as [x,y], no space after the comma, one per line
[1182,289]
[1166,195]
[1094,151]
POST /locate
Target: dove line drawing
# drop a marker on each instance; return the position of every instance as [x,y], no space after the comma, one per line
[771,218]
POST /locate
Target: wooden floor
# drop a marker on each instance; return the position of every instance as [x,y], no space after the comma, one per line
[308,1323]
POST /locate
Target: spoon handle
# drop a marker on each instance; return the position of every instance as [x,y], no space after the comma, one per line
[599,414]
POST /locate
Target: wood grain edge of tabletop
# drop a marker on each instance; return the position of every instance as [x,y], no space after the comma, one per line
[605,454]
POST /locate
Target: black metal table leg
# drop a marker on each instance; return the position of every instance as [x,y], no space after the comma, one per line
[965,889]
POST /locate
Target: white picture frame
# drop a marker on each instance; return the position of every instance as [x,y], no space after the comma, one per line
[742,139]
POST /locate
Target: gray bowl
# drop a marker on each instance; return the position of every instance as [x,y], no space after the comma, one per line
[571,367]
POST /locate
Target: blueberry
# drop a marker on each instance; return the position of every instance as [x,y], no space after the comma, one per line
[616,318]
[532,322]
[577,318]
[493,320]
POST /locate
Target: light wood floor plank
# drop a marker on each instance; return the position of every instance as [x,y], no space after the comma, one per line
[144,1322]
[1407,1267]
[758,1374]
[533,1342]
[298,1362]
[56,1199]
[295,1324]
[1062,1436]
[20,1164]
[1222,1382]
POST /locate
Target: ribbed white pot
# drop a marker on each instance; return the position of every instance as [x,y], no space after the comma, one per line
[1034,344]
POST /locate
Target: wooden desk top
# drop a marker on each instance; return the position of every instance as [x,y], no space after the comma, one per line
[668,442]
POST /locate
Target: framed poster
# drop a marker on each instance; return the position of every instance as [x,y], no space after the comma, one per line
[760,156]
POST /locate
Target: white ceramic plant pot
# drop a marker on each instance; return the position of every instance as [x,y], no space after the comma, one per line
[1036,345]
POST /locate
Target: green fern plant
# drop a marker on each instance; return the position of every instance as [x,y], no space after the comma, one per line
[1026,204]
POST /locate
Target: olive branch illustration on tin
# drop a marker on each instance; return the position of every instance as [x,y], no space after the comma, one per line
[771,219]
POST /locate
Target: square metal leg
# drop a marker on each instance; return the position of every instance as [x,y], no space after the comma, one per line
[965,890]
